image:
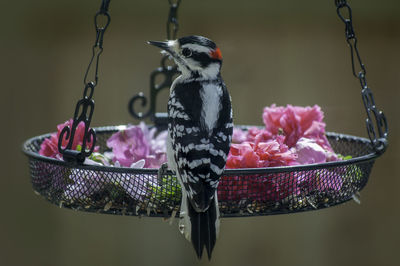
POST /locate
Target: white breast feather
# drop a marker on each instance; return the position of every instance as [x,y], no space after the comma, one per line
[211,97]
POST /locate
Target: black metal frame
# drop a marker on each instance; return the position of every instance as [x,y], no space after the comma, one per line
[42,180]
[278,169]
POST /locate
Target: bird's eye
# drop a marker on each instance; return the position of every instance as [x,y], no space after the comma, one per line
[186,52]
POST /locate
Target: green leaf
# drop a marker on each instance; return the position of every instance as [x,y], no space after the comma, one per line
[347,157]
[168,189]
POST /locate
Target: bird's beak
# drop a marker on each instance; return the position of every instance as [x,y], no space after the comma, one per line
[163,45]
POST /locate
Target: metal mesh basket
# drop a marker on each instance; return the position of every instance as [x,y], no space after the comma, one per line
[241,192]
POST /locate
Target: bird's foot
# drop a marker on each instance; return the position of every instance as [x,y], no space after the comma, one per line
[162,171]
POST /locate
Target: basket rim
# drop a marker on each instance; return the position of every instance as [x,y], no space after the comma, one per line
[240,171]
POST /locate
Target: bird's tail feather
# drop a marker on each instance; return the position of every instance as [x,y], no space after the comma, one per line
[204,231]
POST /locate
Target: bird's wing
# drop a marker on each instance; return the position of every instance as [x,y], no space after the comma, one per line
[200,155]
[200,161]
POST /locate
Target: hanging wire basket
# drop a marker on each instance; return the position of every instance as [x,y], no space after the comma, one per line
[72,184]
[242,192]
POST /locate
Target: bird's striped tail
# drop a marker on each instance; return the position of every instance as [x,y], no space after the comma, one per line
[204,227]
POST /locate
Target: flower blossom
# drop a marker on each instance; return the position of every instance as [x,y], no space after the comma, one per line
[83,185]
[295,122]
[292,135]
[49,146]
[137,143]
[262,154]
[323,180]
[272,187]
[252,134]
[299,131]
[309,151]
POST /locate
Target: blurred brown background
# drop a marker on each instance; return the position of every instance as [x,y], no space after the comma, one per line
[274,52]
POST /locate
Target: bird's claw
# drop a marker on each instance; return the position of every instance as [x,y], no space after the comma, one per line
[162,171]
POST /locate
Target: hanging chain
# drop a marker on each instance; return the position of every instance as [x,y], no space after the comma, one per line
[85,106]
[377,134]
[172,23]
[168,73]
[97,48]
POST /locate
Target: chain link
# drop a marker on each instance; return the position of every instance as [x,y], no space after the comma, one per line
[342,8]
[377,134]
[97,49]
[85,107]
[172,22]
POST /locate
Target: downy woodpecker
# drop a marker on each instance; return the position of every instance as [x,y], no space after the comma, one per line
[200,132]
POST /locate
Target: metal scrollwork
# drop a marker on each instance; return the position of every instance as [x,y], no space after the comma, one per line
[85,107]
[378,130]
[166,72]
[83,113]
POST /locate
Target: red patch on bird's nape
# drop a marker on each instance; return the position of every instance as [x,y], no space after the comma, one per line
[216,54]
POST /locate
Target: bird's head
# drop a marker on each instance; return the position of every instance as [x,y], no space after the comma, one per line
[196,56]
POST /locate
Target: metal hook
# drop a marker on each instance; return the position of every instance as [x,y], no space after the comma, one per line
[85,107]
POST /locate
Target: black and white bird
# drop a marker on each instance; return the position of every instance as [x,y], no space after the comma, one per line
[200,132]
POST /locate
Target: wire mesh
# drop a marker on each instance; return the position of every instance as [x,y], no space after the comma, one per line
[241,192]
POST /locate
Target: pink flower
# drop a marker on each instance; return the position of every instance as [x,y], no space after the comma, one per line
[158,149]
[80,185]
[309,152]
[49,146]
[138,143]
[330,180]
[272,187]
[252,134]
[281,186]
[129,146]
[262,154]
[237,188]
[239,135]
[295,122]
[79,133]
[275,153]
[323,180]
[242,156]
